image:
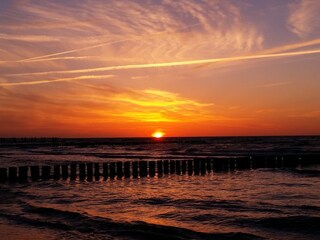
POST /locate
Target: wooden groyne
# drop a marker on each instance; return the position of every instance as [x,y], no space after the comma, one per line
[90,171]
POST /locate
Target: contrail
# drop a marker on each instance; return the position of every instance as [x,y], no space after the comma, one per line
[56,80]
[292,46]
[172,64]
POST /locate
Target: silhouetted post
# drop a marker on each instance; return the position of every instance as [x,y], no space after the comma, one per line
[152,168]
[134,169]
[23,174]
[290,162]
[112,170]
[165,166]
[46,172]
[82,171]
[12,174]
[190,167]
[208,165]
[196,165]
[105,170]
[160,168]
[96,171]
[172,167]
[56,172]
[243,163]
[89,171]
[73,171]
[203,166]
[3,175]
[143,168]
[232,163]
[258,162]
[309,160]
[184,166]
[127,172]
[178,167]
[270,162]
[119,170]
[35,172]
[218,164]
[65,171]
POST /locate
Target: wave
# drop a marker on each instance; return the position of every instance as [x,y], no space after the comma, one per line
[298,223]
[228,205]
[79,222]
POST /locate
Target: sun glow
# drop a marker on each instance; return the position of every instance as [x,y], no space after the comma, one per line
[158,134]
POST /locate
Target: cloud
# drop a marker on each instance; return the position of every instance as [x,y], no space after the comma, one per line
[274,84]
[159,30]
[304,17]
[105,103]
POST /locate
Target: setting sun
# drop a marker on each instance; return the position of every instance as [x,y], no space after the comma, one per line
[158,134]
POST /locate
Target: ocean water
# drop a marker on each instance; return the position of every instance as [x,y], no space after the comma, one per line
[249,204]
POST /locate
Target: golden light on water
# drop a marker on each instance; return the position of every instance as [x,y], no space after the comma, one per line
[158,134]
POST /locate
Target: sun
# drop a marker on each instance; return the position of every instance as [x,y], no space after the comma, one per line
[158,134]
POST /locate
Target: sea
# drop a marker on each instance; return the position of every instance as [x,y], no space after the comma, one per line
[242,204]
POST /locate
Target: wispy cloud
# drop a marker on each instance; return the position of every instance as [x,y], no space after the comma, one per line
[304,17]
[274,84]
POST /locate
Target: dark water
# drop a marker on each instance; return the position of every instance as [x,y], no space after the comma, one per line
[251,204]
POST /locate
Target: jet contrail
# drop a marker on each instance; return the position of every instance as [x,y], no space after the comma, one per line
[56,80]
[172,64]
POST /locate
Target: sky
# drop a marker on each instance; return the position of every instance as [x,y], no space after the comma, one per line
[89,68]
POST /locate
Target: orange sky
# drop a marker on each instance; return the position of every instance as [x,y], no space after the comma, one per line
[189,68]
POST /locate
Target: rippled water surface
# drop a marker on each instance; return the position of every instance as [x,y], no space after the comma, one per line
[251,204]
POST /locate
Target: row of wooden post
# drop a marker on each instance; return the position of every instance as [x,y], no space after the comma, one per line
[111,170]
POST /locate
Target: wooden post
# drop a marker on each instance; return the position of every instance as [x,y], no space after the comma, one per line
[184,166]
[232,163]
[3,175]
[203,166]
[134,169]
[65,171]
[152,168]
[119,170]
[166,167]
[23,174]
[89,171]
[160,168]
[82,171]
[56,172]
[12,174]
[219,165]
[112,167]
[258,162]
[190,167]
[105,170]
[35,173]
[209,165]
[178,167]
[127,172]
[143,168]
[309,160]
[243,163]
[172,166]
[270,162]
[290,162]
[196,165]
[96,171]
[46,172]
[73,171]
